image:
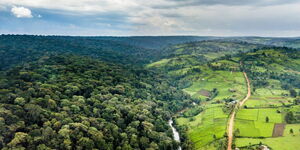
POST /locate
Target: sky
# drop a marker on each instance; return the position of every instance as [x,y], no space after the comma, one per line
[151,17]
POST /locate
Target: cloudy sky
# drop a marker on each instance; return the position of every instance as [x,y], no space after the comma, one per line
[151,17]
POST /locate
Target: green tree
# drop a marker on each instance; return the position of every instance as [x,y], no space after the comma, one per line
[86,143]
[19,137]
[291,131]
[20,101]
[267,119]
[293,93]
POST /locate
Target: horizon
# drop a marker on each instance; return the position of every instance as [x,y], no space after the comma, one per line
[121,36]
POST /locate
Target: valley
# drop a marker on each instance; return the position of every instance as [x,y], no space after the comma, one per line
[121,93]
[149,75]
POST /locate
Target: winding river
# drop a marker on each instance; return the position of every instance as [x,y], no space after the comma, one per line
[175,133]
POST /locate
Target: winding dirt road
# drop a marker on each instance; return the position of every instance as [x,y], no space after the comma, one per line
[230,126]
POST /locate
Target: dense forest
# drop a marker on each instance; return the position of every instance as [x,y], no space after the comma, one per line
[15,49]
[72,102]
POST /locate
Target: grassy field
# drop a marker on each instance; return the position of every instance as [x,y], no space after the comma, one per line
[254,121]
[287,142]
[251,122]
[212,121]
[209,125]
[223,81]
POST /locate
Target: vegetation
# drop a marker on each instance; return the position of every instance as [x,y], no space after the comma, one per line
[60,92]
[68,102]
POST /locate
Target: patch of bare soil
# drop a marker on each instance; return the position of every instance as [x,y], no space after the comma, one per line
[204,93]
[278,129]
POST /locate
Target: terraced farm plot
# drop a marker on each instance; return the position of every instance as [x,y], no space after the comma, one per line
[224,81]
[270,92]
[268,101]
[212,121]
[253,122]
[271,113]
[287,142]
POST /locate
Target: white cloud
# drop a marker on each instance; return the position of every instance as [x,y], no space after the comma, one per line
[21,12]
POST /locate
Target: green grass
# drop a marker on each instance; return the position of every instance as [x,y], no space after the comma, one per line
[287,142]
[223,81]
[273,116]
[159,63]
[252,122]
[212,121]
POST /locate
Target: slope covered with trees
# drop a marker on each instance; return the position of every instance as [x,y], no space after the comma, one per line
[16,49]
[72,102]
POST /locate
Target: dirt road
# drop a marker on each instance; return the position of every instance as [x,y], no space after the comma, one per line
[230,126]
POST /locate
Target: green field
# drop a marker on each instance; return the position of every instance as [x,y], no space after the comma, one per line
[223,81]
[209,125]
[212,121]
[252,125]
[272,73]
[287,142]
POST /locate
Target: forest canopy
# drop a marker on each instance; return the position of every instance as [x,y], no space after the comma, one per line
[73,102]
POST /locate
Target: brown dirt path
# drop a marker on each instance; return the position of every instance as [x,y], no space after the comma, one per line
[230,126]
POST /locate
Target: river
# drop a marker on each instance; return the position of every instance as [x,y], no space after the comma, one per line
[175,133]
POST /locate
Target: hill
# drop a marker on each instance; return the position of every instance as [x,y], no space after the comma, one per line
[75,102]
[292,42]
[60,92]
[15,49]
[219,83]
[157,42]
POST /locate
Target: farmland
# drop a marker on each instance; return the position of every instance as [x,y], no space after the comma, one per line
[216,84]
[209,126]
[266,116]
[275,143]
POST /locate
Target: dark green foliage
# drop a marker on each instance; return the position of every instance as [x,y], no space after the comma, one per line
[293,42]
[291,131]
[193,111]
[293,93]
[72,102]
[213,46]
[156,42]
[267,119]
[16,49]
[269,59]
[290,117]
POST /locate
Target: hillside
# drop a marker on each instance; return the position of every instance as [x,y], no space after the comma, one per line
[15,49]
[292,42]
[217,84]
[157,42]
[59,92]
[195,53]
[272,111]
[68,102]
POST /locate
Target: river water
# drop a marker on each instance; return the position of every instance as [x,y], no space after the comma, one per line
[175,133]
